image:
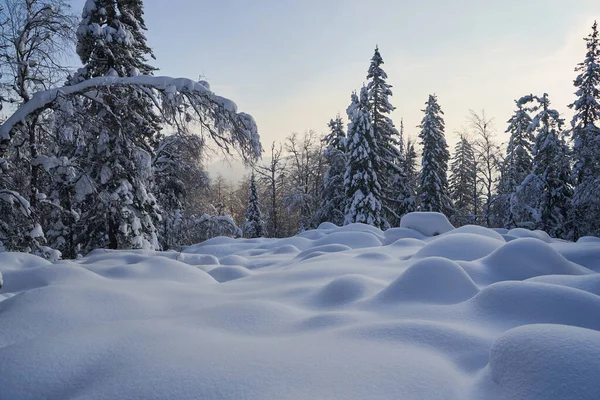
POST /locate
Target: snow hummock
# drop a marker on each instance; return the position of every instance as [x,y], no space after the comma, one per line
[428,312]
[427,223]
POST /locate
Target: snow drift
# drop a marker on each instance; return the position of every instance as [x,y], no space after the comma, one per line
[344,313]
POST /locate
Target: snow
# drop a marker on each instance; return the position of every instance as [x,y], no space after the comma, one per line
[339,312]
[427,223]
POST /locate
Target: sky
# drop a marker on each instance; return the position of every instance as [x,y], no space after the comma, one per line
[294,64]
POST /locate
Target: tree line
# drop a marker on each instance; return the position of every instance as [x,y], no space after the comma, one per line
[547,177]
[111,156]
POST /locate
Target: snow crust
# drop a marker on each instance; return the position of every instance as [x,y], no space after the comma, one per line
[339,312]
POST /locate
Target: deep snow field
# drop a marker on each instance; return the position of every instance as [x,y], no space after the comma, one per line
[333,313]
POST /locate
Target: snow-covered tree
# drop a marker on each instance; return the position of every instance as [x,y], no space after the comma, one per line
[586,140]
[397,198]
[463,182]
[433,181]
[333,202]
[206,227]
[515,167]
[179,176]
[180,101]
[111,42]
[34,37]
[253,226]
[361,184]
[411,167]
[546,193]
[518,161]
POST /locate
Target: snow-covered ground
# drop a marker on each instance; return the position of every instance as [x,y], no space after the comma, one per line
[333,313]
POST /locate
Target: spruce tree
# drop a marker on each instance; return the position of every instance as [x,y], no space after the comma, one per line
[546,193]
[463,182]
[516,166]
[433,180]
[122,212]
[333,203]
[362,187]
[551,162]
[396,195]
[518,161]
[410,167]
[586,141]
[253,225]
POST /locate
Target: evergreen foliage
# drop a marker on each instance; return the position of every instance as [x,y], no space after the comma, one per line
[254,225]
[362,187]
[433,182]
[585,131]
[333,203]
[397,197]
[463,183]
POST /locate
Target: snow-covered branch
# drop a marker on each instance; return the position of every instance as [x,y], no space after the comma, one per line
[217,115]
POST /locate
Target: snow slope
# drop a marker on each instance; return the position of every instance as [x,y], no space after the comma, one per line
[333,313]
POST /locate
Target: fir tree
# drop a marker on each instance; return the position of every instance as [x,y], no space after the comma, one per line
[463,182]
[433,181]
[253,225]
[362,187]
[546,192]
[518,161]
[333,200]
[401,146]
[516,166]
[586,141]
[410,166]
[111,42]
[396,195]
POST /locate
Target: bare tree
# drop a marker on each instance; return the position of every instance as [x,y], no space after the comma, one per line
[489,157]
[271,176]
[305,179]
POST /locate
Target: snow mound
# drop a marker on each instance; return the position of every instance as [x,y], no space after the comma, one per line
[198,259]
[234,259]
[547,361]
[516,302]
[144,266]
[336,313]
[19,280]
[394,234]
[228,273]
[525,258]
[589,239]
[327,226]
[359,227]
[312,234]
[477,230]
[343,290]
[428,223]
[320,250]
[460,246]
[432,280]
[526,233]
[354,240]
[286,249]
[469,351]
[585,254]
[582,282]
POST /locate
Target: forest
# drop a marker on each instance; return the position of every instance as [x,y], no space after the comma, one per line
[112,155]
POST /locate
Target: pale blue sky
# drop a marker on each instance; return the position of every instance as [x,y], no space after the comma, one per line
[294,64]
